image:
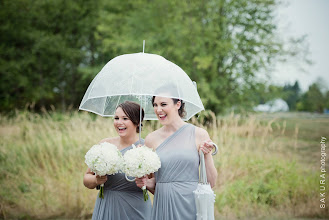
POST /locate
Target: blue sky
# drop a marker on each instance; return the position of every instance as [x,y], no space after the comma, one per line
[310,17]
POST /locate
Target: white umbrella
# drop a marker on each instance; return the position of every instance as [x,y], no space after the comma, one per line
[204,195]
[138,77]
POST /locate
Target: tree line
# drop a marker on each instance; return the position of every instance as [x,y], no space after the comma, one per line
[51,50]
[314,99]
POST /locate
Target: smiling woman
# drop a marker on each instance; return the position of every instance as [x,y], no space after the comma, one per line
[126,113]
[122,199]
[163,105]
[177,143]
[181,110]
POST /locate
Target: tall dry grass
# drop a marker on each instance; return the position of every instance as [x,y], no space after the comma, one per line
[43,163]
[260,172]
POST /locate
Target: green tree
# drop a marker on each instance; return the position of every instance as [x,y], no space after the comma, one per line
[51,50]
[292,94]
[221,44]
[43,44]
[326,101]
[313,100]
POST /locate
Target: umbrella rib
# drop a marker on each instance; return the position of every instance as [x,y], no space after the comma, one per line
[118,101]
[92,88]
[177,88]
[104,104]
[132,82]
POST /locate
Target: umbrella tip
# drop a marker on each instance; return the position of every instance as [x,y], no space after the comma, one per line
[143,45]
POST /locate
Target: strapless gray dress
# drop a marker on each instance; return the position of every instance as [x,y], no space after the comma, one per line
[178,176]
[123,200]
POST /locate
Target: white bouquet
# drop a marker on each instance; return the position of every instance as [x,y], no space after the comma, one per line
[141,161]
[102,159]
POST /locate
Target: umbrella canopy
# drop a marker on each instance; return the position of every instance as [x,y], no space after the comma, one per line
[138,77]
[204,201]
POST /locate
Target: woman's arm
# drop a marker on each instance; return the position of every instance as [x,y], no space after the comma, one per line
[203,141]
[90,180]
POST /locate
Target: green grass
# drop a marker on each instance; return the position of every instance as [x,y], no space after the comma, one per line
[268,164]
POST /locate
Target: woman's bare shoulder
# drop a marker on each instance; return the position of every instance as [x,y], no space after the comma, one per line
[111,140]
[201,134]
[201,131]
[151,139]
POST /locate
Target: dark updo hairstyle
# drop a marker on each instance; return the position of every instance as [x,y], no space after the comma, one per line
[170,89]
[132,110]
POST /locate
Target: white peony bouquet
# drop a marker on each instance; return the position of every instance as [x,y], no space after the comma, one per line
[141,161]
[102,159]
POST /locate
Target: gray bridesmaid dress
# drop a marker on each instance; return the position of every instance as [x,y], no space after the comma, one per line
[178,176]
[122,199]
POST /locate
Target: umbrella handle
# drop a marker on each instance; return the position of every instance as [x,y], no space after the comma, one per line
[203,171]
[130,180]
[216,148]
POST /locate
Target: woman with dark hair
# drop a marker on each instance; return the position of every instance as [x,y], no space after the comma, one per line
[177,143]
[122,199]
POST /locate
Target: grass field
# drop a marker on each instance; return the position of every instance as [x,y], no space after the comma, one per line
[268,164]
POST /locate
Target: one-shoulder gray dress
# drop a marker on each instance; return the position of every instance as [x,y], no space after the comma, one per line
[178,176]
[123,200]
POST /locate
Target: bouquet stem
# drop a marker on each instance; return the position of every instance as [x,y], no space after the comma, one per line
[101,192]
[146,196]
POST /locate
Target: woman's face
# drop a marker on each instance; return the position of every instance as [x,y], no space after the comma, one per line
[165,109]
[123,125]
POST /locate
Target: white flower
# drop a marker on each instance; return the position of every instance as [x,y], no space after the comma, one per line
[141,161]
[104,158]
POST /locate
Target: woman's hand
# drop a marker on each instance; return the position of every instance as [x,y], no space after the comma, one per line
[146,181]
[100,179]
[206,147]
[90,180]
[140,182]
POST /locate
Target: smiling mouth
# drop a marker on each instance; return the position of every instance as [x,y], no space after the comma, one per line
[162,117]
[122,129]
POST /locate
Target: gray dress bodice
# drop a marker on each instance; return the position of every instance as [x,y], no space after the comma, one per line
[178,176]
[122,199]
